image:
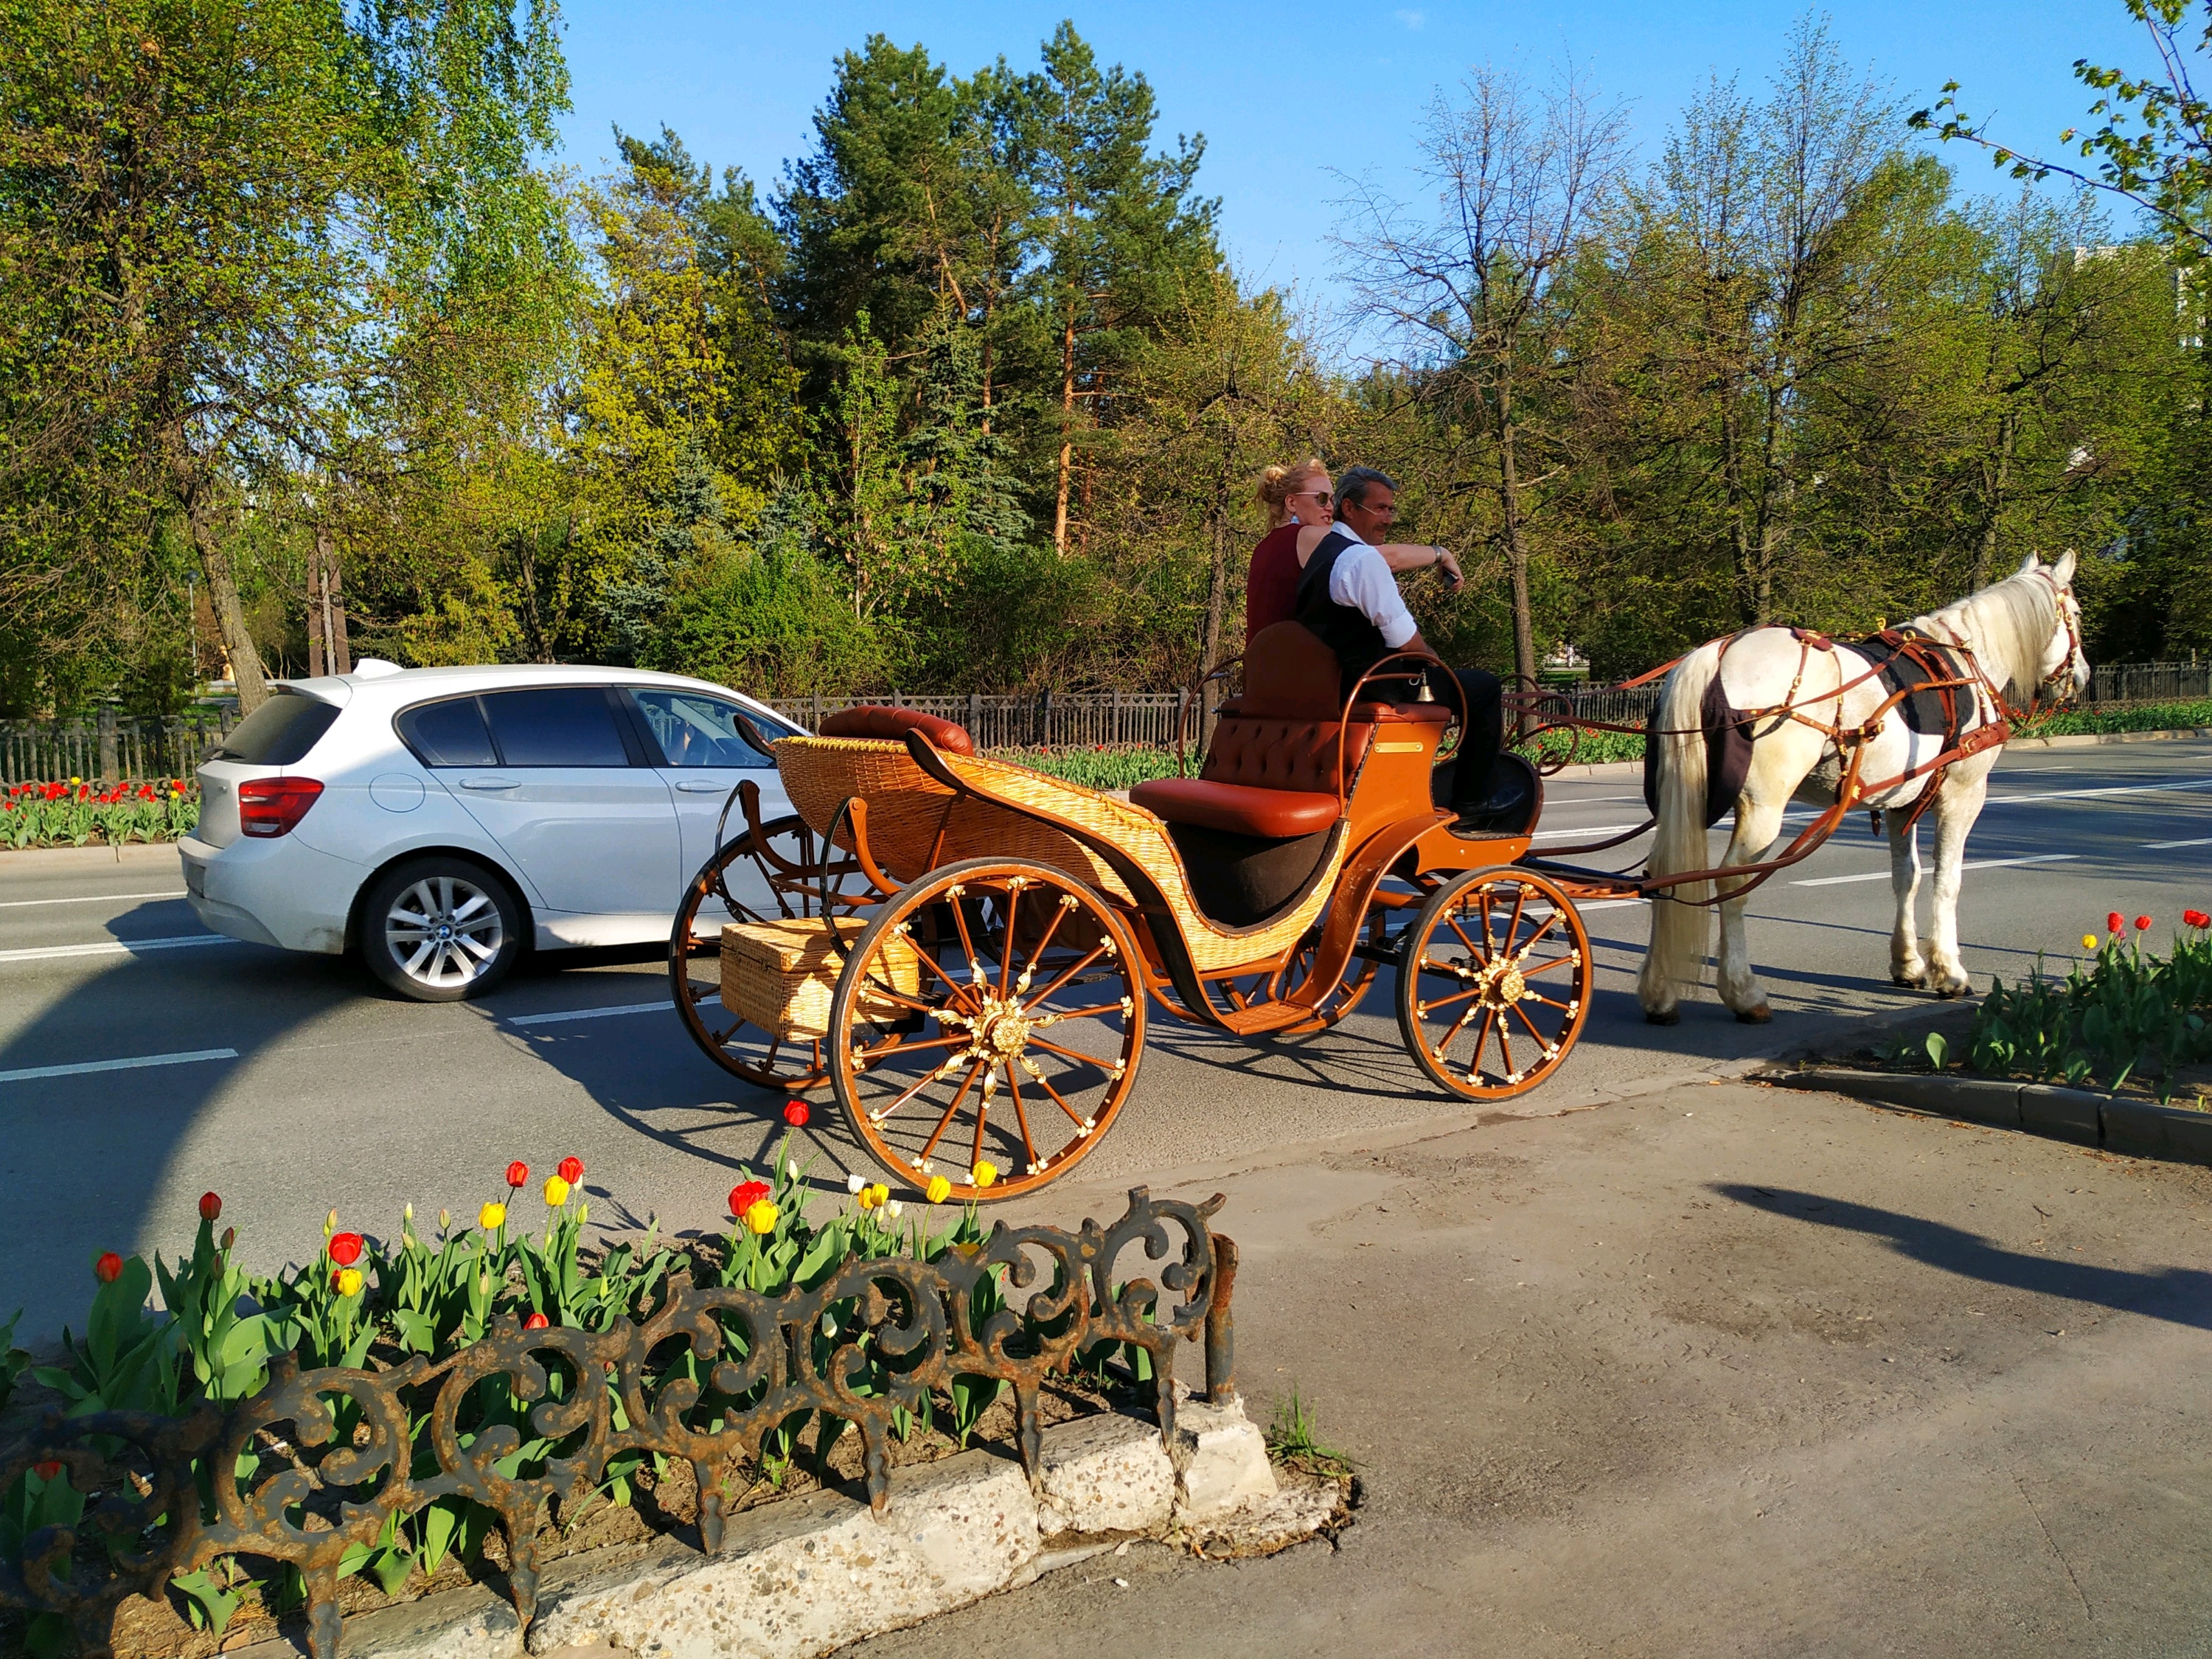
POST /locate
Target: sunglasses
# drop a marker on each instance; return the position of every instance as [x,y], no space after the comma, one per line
[1318,494]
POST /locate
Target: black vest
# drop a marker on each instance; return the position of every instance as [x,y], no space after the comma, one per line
[1356,642]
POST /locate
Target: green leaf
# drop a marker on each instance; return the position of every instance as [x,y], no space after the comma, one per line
[209,1604]
[1939,1049]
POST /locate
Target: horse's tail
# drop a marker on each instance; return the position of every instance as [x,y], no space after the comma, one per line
[1680,932]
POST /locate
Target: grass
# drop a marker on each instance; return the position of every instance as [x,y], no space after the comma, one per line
[1291,1442]
[1099,768]
[2137,717]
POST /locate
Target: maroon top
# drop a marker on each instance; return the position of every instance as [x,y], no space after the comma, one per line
[1271,590]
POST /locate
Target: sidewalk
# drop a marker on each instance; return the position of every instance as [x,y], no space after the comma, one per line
[1719,1370]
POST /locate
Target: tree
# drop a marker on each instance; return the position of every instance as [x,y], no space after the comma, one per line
[233,233]
[1120,237]
[1475,294]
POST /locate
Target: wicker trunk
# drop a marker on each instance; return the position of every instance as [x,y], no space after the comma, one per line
[781,974]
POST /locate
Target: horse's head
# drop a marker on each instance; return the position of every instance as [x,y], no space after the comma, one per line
[2062,669]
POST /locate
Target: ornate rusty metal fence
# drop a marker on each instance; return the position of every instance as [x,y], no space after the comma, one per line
[327,1460]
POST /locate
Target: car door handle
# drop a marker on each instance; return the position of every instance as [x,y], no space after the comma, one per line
[699,787]
[491,783]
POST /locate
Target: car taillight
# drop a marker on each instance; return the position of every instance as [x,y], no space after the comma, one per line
[274,806]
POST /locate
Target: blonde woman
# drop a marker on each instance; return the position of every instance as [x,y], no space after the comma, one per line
[1300,508]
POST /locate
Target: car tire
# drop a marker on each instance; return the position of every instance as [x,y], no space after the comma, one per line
[440,929]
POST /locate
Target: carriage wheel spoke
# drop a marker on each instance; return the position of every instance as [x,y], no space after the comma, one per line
[959,995]
[1483,951]
[905,1048]
[1073,1116]
[1546,967]
[975,979]
[1504,1048]
[1090,957]
[1446,1002]
[1007,950]
[1022,1117]
[1529,943]
[1542,1041]
[943,1123]
[1549,1002]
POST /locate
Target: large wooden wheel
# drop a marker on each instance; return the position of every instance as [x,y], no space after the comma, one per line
[991,1012]
[1494,984]
[773,871]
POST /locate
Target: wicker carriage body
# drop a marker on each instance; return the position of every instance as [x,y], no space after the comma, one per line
[916,822]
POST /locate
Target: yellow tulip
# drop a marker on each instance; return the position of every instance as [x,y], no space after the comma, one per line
[938,1189]
[881,1193]
[984,1174]
[761,1219]
[556,1191]
[492,1216]
[348,1281]
[2088,941]
[865,1198]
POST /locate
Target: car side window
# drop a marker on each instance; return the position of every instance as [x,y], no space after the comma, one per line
[556,725]
[694,730]
[448,733]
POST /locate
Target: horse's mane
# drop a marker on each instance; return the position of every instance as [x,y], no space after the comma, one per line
[2007,623]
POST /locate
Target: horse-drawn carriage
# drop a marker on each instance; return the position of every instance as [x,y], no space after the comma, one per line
[966,951]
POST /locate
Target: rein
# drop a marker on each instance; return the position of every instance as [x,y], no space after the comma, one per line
[1945,679]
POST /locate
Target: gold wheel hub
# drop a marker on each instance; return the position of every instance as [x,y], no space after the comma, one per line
[1501,985]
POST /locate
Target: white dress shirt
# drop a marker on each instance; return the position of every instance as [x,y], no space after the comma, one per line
[1363,582]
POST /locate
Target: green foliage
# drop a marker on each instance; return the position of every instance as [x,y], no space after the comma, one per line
[1102,768]
[2126,1012]
[1292,1443]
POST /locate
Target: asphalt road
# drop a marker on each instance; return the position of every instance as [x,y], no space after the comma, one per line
[291,1084]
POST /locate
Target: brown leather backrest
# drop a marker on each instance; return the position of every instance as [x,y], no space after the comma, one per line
[1291,675]
[1280,754]
[874,720]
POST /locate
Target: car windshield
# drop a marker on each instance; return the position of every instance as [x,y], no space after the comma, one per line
[279,734]
[695,730]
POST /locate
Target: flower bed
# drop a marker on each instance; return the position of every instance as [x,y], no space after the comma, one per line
[2123,1014]
[78,813]
[395,1411]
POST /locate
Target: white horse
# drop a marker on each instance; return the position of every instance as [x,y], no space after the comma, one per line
[2024,632]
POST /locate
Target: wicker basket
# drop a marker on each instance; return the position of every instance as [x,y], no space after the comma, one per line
[781,974]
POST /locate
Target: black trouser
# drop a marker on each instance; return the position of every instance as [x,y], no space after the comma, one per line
[1486,731]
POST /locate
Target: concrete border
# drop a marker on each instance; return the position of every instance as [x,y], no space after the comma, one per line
[2138,1128]
[800,1577]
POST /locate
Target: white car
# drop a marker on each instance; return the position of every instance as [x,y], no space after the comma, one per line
[439,820]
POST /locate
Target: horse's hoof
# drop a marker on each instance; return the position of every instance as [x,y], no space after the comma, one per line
[1757,1016]
[1909,981]
[1653,1017]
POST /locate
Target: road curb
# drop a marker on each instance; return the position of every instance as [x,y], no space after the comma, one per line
[2138,1128]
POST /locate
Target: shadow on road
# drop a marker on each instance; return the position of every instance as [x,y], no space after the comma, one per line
[2180,1296]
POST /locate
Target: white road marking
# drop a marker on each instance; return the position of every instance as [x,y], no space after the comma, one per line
[88,898]
[2161,846]
[590,1013]
[1971,863]
[30,1072]
[1586,830]
[113,947]
[602,1013]
[2115,789]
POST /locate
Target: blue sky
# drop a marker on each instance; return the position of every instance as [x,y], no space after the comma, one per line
[1283,97]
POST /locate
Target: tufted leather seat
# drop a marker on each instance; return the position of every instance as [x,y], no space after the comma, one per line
[1272,770]
[875,719]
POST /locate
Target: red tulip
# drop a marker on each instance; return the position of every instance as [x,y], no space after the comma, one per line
[517,1173]
[49,1470]
[796,1113]
[2114,921]
[571,1170]
[537,1322]
[2142,924]
[745,1195]
[108,1268]
[210,1206]
[2195,918]
[345,1248]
